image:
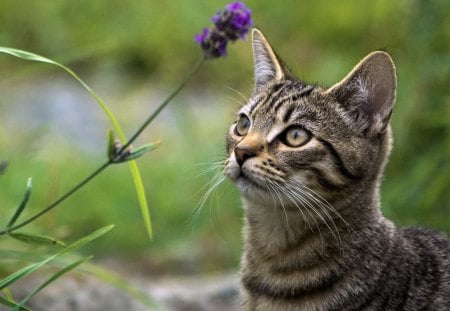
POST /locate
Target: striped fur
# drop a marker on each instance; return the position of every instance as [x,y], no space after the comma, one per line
[314,236]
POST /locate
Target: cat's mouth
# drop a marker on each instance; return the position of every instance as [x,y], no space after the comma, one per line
[247,180]
[249,184]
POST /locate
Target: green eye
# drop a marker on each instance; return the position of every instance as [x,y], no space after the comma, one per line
[242,125]
[296,136]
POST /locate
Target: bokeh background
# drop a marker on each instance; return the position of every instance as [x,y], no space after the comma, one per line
[133,53]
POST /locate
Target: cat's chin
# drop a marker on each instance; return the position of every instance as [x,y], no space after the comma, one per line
[251,189]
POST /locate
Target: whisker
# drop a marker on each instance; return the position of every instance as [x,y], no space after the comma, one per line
[318,205]
[320,200]
[210,166]
[235,100]
[294,200]
[238,93]
[273,190]
[211,187]
[313,204]
[298,198]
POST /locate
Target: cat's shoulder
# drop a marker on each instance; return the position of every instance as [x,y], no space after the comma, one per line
[423,244]
[426,236]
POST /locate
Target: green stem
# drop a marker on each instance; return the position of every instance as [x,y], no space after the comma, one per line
[61,199]
[163,104]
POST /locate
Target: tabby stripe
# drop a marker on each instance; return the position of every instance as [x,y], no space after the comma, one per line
[277,87]
[275,98]
[274,93]
[323,180]
[294,97]
[304,92]
[338,160]
[288,113]
[289,93]
[258,287]
[280,102]
[378,293]
[256,104]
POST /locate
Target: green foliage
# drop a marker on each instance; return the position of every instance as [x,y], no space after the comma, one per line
[35,239]
[54,277]
[26,271]
[22,205]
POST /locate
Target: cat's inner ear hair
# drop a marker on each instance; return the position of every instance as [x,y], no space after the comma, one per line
[268,66]
[369,91]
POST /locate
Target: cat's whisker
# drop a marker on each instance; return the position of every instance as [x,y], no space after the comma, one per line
[236,100]
[320,200]
[327,208]
[300,201]
[296,202]
[315,206]
[242,96]
[210,167]
[305,196]
[273,187]
[211,187]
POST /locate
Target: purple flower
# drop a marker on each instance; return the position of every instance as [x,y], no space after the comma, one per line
[230,24]
[212,43]
[202,37]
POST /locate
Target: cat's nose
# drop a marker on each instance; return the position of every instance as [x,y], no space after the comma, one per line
[243,153]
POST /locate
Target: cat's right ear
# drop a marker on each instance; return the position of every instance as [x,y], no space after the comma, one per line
[268,66]
[368,92]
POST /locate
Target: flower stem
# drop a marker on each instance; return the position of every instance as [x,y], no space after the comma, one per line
[163,104]
[61,199]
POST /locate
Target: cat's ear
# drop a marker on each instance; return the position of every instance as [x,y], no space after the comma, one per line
[268,66]
[369,91]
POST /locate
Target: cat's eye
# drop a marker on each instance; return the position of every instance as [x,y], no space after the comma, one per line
[242,125]
[296,136]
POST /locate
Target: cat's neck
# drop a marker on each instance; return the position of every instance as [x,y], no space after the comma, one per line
[271,229]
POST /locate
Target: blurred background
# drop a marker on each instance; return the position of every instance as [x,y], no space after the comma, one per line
[133,53]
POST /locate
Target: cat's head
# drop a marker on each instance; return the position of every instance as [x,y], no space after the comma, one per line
[291,134]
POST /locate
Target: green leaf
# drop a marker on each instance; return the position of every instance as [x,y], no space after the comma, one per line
[8,294]
[141,197]
[26,55]
[12,304]
[141,151]
[20,274]
[133,166]
[35,239]
[53,278]
[22,205]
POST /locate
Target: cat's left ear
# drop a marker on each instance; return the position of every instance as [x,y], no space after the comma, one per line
[268,66]
[369,91]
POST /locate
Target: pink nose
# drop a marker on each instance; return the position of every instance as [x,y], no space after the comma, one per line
[244,153]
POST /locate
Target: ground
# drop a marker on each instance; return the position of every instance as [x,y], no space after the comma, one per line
[79,291]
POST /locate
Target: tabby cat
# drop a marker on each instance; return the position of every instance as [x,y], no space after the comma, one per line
[308,162]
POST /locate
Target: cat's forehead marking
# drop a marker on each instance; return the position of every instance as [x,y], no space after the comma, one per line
[249,106]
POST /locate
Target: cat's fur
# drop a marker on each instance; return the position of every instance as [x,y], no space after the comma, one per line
[308,162]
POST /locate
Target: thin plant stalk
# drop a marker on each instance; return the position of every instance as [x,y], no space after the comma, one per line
[138,132]
[60,200]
